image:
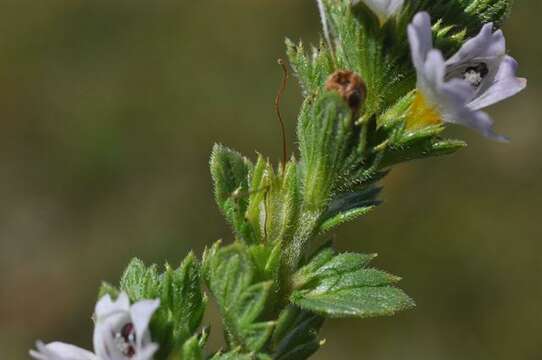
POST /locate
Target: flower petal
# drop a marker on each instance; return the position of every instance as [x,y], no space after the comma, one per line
[60,351]
[394,7]
[486,45]
[506,85]
[454,96]
[147,352]
[420,37]
[454,110]
[482,122]
[434,68]
[104,343]
[431,80]
[141,313]
[109,315]
[384,9]
[449,99]
[106,306]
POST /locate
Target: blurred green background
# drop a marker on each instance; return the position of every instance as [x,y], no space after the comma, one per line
[108,113]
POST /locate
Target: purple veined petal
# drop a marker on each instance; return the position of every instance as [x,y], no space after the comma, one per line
[505,85]
[448,98]
[60,351]
[482,122]
[486,45]
[429,77]
[508,68]
[420,37]
[141,313]
[455,94]
[455,111]
[434,68]
[452,98]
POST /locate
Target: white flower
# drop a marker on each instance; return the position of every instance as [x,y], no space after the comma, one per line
[454,91]
[384,9]
[61,351]
[121,332]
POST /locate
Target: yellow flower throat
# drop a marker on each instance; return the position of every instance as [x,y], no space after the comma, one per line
[422,114]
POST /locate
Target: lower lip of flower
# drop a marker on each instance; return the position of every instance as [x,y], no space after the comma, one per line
[422,114]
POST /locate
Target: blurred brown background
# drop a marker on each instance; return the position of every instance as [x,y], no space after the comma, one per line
[109,110]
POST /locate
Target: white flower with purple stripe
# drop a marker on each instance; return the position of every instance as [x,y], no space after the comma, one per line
[455,91]
[121,332]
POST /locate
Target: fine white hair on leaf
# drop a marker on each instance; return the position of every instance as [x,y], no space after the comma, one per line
[325,24]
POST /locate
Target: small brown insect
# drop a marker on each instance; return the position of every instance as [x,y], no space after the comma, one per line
[350,86]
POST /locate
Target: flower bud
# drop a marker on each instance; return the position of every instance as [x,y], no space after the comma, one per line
[350,86]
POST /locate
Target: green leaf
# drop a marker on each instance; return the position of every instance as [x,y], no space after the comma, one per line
[181,293]
[406,144]
[344,217]
[348,206]
[342,286]
[448,38]
[252,302]
[235,355]
[266,260]
[230,172]
[470,14]
[486,11]
[326,137]
[360,301]
[274,201]
[231,356]
[140,282]
[259,188]
[231,276]
[282,205]
[322,257]
[419,144]
[296,334]
[312,70]
[192,349]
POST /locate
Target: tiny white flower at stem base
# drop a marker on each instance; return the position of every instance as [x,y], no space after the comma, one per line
[384,9]
[121,332]
[454,91]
